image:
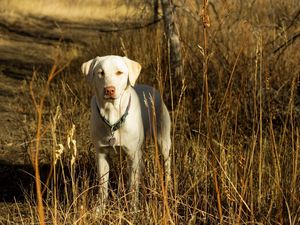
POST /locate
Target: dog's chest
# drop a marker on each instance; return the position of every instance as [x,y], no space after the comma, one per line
[111,138]
[113,127]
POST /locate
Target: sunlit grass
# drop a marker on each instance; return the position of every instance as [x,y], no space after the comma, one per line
[72,10]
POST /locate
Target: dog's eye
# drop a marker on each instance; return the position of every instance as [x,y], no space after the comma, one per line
[119,73]
[100,73]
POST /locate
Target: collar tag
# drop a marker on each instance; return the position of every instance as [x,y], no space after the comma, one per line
[112,141]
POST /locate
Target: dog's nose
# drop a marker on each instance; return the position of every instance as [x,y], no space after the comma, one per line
[110,91]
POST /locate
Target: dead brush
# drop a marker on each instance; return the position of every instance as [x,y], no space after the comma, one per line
[39,104]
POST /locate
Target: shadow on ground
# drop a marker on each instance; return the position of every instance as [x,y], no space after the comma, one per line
[17,182]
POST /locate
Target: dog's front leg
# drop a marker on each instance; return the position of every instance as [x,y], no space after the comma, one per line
[134,179]
[103,172]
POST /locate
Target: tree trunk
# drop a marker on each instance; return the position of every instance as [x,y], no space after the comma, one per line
[173,38]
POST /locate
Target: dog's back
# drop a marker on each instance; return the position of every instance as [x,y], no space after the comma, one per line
[150,99]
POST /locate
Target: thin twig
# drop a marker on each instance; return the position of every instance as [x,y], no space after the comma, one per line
[289,42]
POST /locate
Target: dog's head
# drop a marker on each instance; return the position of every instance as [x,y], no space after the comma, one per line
[110,75]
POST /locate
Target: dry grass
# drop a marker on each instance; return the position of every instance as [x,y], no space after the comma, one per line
[70,9]
[237,164]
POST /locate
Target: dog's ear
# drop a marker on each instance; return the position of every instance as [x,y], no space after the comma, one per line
[134,69]
[87,68]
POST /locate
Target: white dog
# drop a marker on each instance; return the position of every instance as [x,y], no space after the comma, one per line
[122,114]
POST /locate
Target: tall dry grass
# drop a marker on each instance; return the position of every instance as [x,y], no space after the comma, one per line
[235,120]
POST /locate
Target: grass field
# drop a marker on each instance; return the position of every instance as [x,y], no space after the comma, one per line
[235,157]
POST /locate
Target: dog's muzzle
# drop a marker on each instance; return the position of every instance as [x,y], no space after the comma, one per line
[109,92]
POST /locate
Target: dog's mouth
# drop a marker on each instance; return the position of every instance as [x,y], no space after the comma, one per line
[109,98]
